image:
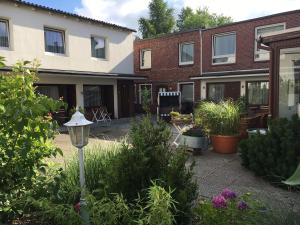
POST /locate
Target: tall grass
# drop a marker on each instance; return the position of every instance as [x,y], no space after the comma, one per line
[219,118]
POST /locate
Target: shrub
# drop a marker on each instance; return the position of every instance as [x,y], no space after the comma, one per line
[275,155]
[219,118]
[25,133]
[130,169]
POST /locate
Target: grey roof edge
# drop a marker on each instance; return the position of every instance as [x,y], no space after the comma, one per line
[83,73]
[58,11]
[230,73]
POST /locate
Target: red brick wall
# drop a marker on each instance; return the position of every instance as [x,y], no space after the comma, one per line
[165,68]
[245,36]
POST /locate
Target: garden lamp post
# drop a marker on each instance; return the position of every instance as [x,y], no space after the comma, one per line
[79,129]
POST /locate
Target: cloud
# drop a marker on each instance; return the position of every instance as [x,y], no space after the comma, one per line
[127,12]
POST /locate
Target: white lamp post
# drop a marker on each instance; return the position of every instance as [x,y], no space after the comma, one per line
[79,129]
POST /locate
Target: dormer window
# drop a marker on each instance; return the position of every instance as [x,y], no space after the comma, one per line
[224,48]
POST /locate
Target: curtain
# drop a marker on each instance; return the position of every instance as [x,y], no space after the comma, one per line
[216,92]
[187,52]
[258,93]
[224,45]
[98,47]
[54,41]
[3,34]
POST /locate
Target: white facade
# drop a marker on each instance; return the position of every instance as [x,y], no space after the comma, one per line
[27,42]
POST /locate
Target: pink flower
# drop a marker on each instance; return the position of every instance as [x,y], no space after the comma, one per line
[228,194]
[219,202]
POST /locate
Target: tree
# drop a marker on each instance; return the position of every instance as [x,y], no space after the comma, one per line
[201,18]
[161,20]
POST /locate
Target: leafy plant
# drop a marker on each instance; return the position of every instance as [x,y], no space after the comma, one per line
[274,156]
[219,118]
[146,100]
[26,128]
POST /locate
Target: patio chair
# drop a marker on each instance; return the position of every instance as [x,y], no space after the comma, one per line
[181,123]
[100,114]
[294,179]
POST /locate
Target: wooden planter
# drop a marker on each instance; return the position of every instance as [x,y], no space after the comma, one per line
[225,144]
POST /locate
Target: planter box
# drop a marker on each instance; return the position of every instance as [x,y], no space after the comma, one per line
[194,142]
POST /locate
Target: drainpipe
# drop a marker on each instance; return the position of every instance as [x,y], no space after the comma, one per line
[201,54]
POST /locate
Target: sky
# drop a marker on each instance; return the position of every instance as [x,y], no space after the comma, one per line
[127,12]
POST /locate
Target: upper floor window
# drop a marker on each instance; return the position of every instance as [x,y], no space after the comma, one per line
[98,47]
[224,47]
[186,53]
[4,34]
[54,41]
[261,54]
[145,59]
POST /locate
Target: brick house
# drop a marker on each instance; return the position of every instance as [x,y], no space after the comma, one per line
[169,62]
[226,59]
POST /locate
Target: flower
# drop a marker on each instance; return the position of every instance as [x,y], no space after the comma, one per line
[242,205]
[219,202]
[228,194]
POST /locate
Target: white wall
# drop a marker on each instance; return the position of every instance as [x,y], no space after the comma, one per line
[27,41]
[243,81]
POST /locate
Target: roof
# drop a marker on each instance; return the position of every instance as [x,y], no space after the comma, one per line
[255,19]
[57,11]
[287,34]
[75,73]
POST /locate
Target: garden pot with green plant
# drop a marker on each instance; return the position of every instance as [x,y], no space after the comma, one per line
[195,138]
[222,122]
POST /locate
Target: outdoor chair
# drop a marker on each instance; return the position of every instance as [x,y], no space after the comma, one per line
[294,179]
[181,123]
[100,114]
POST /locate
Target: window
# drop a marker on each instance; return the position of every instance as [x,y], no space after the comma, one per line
[216,92]
[54,41]
[224,46]
[145,60]
[186,53]
[98,45]
[258,93]
[142,88]
[92,96]
[187,92]
[49,90]
[261,54]
[4,34]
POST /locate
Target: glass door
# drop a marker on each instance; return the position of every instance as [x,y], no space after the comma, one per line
[289,82]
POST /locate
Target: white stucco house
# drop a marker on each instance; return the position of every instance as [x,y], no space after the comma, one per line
[87,62]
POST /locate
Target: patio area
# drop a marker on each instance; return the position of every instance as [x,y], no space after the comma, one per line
[213,171]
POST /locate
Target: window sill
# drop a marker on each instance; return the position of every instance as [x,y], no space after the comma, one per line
[55,54]
[99,59]
[186,63]
[223,64]
[5,48]
[145,68]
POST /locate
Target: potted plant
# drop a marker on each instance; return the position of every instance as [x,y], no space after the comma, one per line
[222,122]
[195,138]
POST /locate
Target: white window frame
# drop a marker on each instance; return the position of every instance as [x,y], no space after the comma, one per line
[223,56]
[193,83]
[262,51]
[106,46]
[179,54]
[141,59]
[140,92]
[6,21]
[63,31]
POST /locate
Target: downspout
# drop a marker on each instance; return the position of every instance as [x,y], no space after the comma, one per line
[271,78]
[201,54]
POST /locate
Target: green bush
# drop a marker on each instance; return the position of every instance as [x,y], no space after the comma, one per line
[26,129]
[275,155]
[219,118]
[129,169]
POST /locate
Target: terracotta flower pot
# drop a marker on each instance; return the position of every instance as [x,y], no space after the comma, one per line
[225,144]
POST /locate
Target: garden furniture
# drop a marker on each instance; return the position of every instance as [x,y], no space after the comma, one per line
[295,178]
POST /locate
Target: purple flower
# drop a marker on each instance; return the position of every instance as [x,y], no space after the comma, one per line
[228,194]
[219,202]
[242,205]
